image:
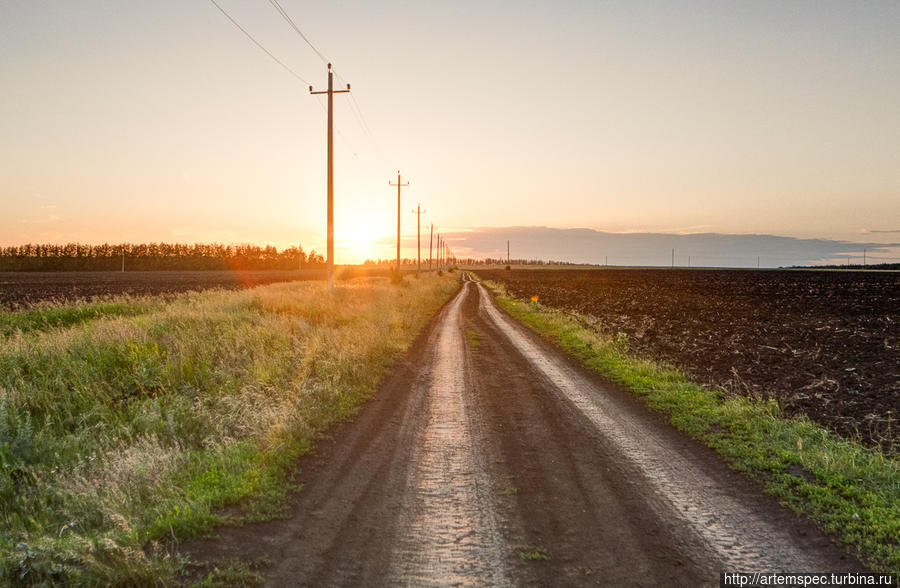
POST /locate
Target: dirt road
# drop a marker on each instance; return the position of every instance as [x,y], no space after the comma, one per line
[488,458]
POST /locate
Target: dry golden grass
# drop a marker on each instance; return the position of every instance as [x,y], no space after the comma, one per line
[127,428]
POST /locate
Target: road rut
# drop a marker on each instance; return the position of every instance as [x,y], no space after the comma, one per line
[489,458]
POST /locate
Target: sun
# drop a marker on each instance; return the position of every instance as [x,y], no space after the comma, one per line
[357,238]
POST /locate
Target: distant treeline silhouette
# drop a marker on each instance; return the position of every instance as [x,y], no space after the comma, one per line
[154,256]
[854,266]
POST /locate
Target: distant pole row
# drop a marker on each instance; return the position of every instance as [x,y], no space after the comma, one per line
[442,251]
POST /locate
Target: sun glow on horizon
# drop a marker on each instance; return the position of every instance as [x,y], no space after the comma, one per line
[358,238]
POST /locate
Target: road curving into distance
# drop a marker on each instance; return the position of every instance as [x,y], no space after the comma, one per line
[488,458]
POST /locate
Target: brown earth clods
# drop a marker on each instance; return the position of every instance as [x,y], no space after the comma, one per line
[824,344]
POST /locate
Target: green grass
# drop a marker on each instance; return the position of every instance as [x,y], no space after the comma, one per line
[847,489]
[233,573]
[44,316]
[129,423]
[533,552]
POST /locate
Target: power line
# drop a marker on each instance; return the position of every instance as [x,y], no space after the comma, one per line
[368,131]
[355,109]
[257,43]
[347,143]
[354,105]
[290,21]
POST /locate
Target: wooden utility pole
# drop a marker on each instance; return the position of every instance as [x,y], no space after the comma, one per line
[399,185]
[430,241]
[329,263]
[419,212]
[507,252]
[123,261]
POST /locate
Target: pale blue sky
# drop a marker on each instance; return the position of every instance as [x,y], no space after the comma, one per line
[159,121]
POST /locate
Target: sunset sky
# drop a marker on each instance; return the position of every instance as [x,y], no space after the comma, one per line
[160,121]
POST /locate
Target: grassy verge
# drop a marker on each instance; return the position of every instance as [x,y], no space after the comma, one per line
[848,490]
[45,316]
[134,421]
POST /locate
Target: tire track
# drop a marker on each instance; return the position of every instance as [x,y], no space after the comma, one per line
[451,536]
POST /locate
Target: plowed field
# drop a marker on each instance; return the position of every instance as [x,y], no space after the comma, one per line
[824,344]
[25,288]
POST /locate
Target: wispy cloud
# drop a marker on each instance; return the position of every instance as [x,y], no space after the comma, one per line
[39,221]
[881,230]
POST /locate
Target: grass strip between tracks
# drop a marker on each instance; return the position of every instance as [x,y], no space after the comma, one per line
[847,489]
[131,422]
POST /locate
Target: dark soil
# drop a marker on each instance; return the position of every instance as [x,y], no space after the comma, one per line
[25,288]
[824,344]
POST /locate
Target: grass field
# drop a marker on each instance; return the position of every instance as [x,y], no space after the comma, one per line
[849,490]
[128,423]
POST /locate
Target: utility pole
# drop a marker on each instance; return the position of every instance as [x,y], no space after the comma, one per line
[430,240]
[757,262]
[123,261]
[418,212]
[329,264]
[507,252]
[399,185]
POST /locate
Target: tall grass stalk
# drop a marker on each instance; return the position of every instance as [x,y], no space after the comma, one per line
[134,421]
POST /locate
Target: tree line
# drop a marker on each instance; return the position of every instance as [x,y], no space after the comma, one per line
[155,256]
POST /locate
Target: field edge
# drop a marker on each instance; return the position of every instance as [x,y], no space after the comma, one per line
[849,491]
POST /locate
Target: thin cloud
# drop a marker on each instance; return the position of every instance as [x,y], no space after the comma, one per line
[39,221]
[655,249]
